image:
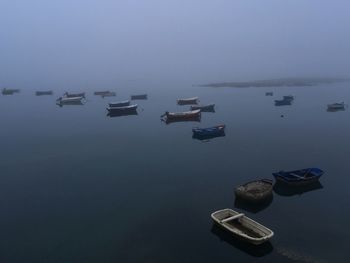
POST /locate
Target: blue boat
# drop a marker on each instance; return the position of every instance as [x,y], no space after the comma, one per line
[208,133]
[299,177]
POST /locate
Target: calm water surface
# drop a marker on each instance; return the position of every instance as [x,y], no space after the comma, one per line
[78,186]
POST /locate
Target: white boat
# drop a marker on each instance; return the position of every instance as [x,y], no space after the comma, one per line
[336,106]
[65,100]
[242,226]
[119,103]
[182,115]
[129,108]
[188,101]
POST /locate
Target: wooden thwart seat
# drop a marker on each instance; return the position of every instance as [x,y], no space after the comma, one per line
[231,218]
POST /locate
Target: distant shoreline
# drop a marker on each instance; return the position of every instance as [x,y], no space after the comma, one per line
[283,82]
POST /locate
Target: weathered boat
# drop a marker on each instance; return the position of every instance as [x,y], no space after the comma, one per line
[101,93]
[269,93]
[109,94]
[139,97]
[129,108]
[204,108]
[67,100]
[299,177]
[119,103]
[74,95]
[336,106]
[182,115]
[255,191]
[6,91]
[208,133]
[44,92]
[187,101]
[242,226]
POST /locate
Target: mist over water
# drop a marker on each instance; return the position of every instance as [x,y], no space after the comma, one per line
[79,186]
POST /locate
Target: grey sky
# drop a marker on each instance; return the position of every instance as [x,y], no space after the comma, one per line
[92,41]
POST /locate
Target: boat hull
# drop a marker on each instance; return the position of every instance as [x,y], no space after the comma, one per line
[119,104]
[204,108]
[242,227]
[123,109]
[255,191]
[139,97]
[188,101]
[299,177]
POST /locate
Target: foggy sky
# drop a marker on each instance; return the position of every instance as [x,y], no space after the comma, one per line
[54,43]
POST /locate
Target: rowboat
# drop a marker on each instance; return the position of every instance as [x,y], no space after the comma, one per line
[204,108]
[269,93]
[255,191]
[299,177]
[129,108]
[121,113]
[208,133]
[139,97]
[67,100]
[288,97]
[6,91]
[119,103]
[336,106]
[74,95]
[242,226]
[283,102]
[101,93]
[187,101]
[46,92]
[109,94]
[182,115]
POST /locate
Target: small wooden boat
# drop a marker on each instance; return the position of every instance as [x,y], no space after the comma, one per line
[42,93]
[67,100]
[101,93]
[139,97]
[208,133]
[119,103]
[187,101]
[129,108]
[74,95]
[299,177]
[255,191]
[182,115]
[242,226]
[269,93]
[6,91]
[204,108]
[336,106]
[109,94]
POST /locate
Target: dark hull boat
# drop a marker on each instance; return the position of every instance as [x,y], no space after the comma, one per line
[42,93]
[182,116]
[9,91]
[74,95]
[287,100]
[69,101]
[187,101]
[139,97]
[208,133]
[121,113]
[101,93]
[204,108]
[119,103]
[122,109]
[336,107]
[109,94]
[255,191]
[299,177]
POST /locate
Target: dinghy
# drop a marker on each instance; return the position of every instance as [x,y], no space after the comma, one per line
[109,94]
[182,115]
[6,91]
[74,95]
[64,100]
[119,103]
[208,133]
[41,93]
[269,93]
[336,106]
[204,108]
[299,177]
[187,101]
[255,191]
[139,97]
[129,108]
[242,226]
[101,93]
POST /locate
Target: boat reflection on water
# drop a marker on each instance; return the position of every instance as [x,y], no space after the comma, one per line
[253,250]
[121,113]
[207,137]
[169,121]
[70,103]
[252,207]
[285,190]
